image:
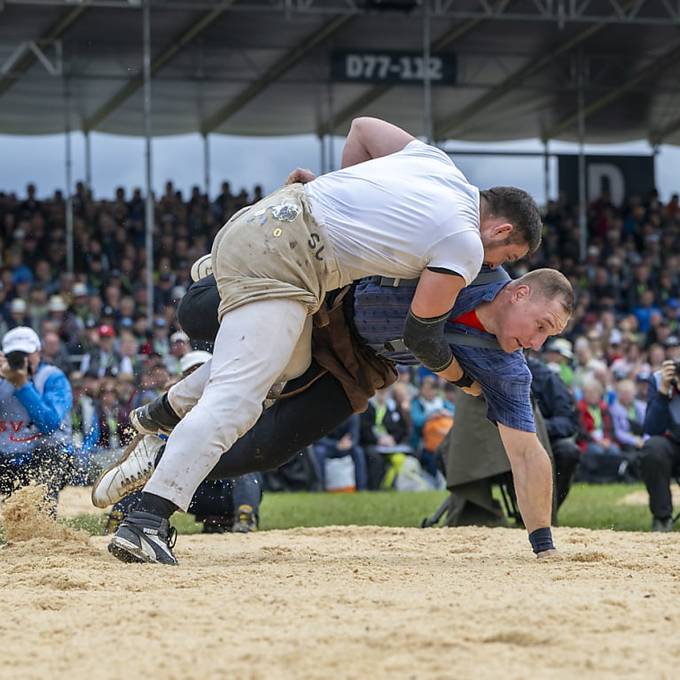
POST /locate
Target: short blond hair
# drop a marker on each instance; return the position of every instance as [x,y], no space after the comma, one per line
[551,284]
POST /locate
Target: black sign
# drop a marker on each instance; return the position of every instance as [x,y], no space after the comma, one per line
[620,176]
[404,68]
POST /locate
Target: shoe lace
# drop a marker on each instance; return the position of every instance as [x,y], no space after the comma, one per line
[132,479]
[172,537]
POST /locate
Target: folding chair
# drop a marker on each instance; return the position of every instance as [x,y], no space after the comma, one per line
[435,518]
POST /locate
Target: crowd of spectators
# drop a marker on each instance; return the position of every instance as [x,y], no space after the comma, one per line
[94,322]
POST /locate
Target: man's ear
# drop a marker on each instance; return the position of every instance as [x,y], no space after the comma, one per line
[503,230]
[520,292]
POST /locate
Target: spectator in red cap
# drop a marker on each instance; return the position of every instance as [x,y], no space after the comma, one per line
[104,359]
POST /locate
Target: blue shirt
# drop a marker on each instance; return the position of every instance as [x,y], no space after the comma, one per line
[47,411]
[379,316]
[37,414]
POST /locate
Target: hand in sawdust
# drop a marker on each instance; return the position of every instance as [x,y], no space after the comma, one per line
[301,175]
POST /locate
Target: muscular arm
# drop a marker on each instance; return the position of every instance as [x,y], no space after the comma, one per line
[372,138]
[532,473]
[435,296]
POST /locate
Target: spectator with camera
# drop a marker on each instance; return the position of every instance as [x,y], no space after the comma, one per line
[660,456]
[35,423]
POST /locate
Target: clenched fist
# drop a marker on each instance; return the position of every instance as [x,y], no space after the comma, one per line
[301,175]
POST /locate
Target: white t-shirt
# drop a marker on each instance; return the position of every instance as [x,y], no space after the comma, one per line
[399,214]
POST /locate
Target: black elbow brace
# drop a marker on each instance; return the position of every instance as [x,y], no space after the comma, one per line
[425,338]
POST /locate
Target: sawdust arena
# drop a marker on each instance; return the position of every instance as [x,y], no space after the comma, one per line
[345,602]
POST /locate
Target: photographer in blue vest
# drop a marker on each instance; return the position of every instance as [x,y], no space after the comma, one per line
[35,427]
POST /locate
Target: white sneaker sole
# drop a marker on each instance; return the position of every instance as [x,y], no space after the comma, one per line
[126,551]
[124,456]
[201,268]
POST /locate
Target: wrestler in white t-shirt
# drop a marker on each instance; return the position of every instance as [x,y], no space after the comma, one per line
[401,208]
[399,214]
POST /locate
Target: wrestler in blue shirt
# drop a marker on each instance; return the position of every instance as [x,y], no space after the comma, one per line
[504,377]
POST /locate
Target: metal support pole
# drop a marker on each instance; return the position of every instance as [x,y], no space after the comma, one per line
[582,213]
[656,151]
[88,162]
[427,83]
[206,165]
[546,170]
[149,221]
[322,147]
[331,129]
[69,181]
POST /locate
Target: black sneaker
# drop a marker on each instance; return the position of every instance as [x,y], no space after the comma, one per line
[662,525]
[143,537]
[246,521]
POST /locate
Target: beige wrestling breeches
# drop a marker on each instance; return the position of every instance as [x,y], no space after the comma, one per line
[273,264]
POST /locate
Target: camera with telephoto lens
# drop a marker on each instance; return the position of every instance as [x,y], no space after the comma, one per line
[17,360]
[675,381]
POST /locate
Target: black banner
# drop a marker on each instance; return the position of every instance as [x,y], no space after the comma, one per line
[621,176]
[404,68]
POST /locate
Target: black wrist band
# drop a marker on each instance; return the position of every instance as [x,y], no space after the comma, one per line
[464,381]
[541,540]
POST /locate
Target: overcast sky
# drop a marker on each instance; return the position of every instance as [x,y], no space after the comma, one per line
[119,161]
